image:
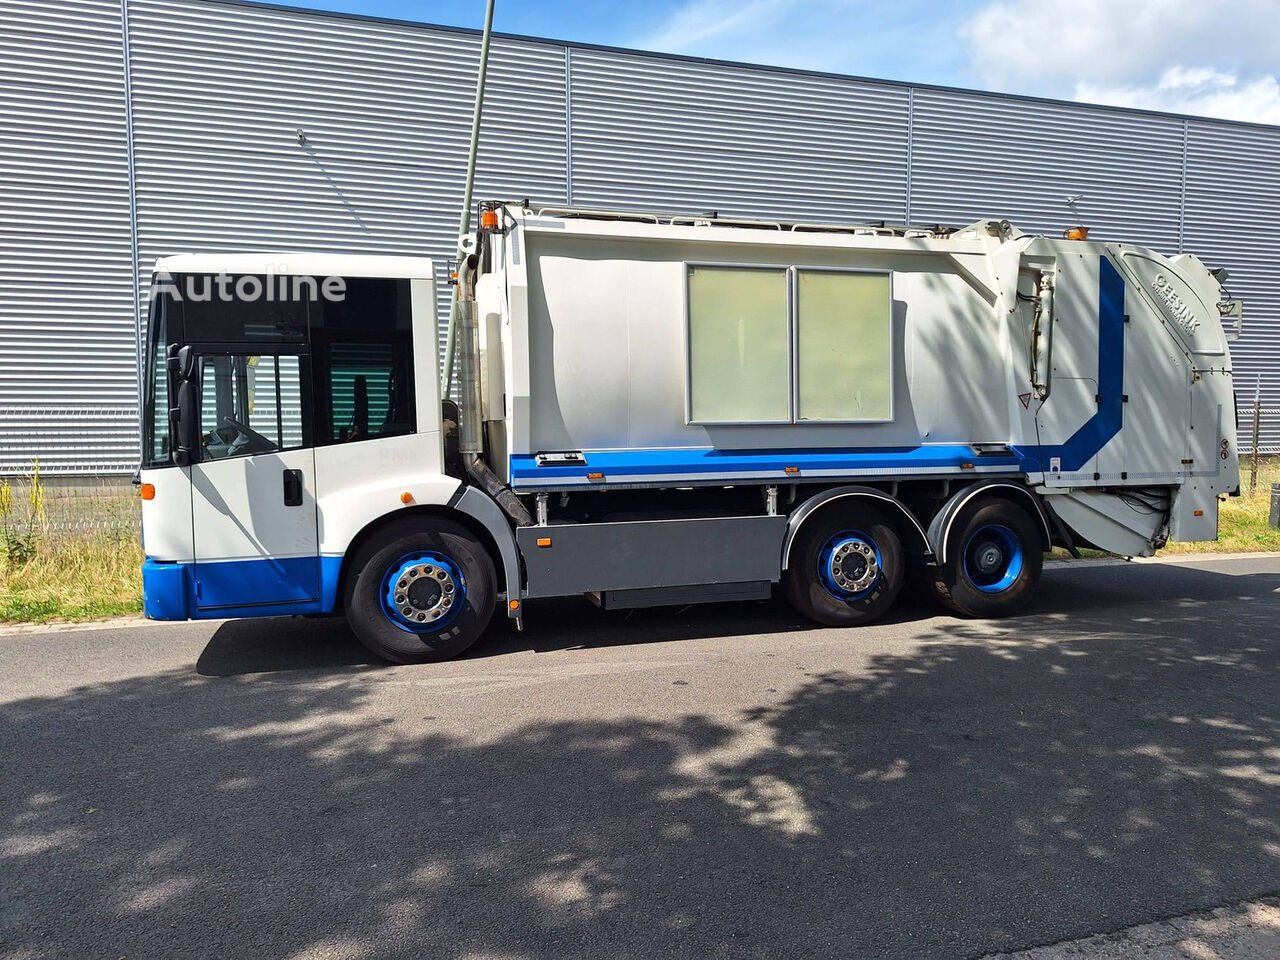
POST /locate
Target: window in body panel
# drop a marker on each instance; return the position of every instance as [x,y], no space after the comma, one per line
[739,354]
[843,346]
[776,344]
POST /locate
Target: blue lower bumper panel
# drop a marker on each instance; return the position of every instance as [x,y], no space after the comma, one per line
[166,588]
[239,588]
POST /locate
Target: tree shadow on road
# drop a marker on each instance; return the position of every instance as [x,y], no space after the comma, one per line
[979,788]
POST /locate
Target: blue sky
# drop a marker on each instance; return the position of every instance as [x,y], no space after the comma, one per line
[1213,59]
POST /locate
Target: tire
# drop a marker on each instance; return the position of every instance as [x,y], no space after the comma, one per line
[421,592]
[995,554]
[831,590]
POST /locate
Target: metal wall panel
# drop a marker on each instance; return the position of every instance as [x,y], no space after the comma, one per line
[977,156]
[384,109]
[1232,220]
[686,137]
[67,343]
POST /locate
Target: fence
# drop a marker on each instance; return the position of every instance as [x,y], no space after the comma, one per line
[68,441]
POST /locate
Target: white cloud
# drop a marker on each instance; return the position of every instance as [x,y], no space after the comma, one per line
[1218,59]
[1201,91]
[1213,59]
[870,37]
[703,20]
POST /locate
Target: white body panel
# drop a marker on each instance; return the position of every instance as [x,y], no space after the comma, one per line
[603,365]
[356,487]
[238,511]
[286,264]
[166,518]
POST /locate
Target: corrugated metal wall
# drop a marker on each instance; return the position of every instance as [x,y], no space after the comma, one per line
[67,351]
[979,156]
[221,94]
[1232,220]
[222,89]
[685,137]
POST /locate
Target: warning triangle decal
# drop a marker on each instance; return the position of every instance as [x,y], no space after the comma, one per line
[1026,400]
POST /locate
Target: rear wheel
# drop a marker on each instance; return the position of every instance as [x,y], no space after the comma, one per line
[846,566]
[994,558]
[422,592]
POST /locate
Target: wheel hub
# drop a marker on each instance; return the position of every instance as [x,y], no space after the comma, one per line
[422,592]
[853,566]
[990,558]
[993,558]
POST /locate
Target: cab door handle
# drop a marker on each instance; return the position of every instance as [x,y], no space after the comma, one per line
[293,488]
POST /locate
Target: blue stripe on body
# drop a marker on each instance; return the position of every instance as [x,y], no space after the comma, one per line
[693,462]
[1083,445]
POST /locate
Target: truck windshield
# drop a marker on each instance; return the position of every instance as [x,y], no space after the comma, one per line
[155,409]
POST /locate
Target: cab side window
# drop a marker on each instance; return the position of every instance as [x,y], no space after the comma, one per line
[362,362]
[249,405]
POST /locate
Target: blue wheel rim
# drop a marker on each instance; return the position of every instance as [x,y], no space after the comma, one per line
[993,558]
[422,592]
[850,565]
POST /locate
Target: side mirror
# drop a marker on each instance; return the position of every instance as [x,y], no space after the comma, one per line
[183,420]
[181,361]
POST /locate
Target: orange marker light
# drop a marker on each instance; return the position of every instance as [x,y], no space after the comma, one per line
[595,476]
[147,491]
[489,219]
[791,470]
[514,604]
[1198,513]
[406,497]
[1076,233]
[544,541]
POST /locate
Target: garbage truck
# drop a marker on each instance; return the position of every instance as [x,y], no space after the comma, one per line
[656,410]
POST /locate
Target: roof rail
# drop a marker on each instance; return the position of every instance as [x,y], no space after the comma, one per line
[591,213]
[713,219]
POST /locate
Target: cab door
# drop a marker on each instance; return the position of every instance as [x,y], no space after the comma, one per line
[253,505]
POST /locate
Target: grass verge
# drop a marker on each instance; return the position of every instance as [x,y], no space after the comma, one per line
[79,577]
[1242,520]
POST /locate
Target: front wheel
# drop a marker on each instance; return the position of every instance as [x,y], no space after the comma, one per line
[845,567]
[993,562]
[421,593]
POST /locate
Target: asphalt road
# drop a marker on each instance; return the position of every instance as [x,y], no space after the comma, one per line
[713,782]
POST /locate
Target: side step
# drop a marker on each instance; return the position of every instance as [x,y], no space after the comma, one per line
[679,596]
